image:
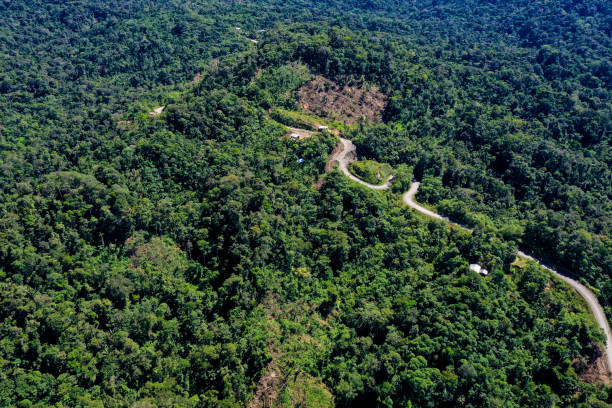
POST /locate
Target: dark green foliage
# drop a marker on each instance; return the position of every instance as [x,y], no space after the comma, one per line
[168,260]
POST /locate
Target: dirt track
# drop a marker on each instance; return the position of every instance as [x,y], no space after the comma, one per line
[349,154]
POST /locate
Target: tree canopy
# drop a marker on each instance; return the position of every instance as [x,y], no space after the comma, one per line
[201,256]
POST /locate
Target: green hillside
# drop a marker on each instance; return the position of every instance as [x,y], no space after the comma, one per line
[201,257]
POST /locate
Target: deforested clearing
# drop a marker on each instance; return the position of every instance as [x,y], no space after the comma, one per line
[349,103]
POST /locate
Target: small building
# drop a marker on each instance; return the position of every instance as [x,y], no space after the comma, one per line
[294,135]
[478,269]
[157,111]
[323,128]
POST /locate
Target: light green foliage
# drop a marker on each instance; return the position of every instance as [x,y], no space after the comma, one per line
[295,118]
[275,86]
[371,171]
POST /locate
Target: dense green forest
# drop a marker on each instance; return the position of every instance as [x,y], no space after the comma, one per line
[201,257]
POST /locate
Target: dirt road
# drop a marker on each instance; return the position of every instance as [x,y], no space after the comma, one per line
[347,155]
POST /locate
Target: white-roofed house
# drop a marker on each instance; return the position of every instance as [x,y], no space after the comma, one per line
[478,269]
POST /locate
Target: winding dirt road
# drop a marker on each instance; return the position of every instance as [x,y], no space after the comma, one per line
[349,154]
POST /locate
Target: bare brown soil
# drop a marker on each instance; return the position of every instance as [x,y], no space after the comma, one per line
[348,103]
[267,387]
[593,371]
[331,161]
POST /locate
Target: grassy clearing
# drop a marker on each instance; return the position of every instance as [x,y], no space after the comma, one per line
[371,171]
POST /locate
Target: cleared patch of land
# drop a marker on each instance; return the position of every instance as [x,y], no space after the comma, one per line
[348,103]
[300,133]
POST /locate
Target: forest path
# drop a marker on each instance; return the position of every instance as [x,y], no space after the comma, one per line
[349,154]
